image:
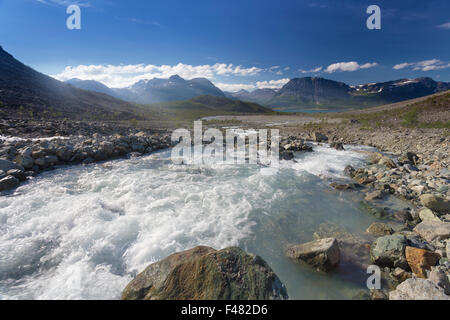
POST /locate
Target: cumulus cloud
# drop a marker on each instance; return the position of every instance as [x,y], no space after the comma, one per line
[425,65]
[444,25]
[234,87]
[348,66]
[118,76]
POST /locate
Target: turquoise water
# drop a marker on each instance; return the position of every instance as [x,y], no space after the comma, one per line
[83,232]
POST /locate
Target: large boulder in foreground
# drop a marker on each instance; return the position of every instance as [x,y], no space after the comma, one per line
[389,251]
[430,230]
[418,289]
[322,254]
[203,273]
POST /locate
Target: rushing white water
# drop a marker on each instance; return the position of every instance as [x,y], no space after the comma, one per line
[83,232]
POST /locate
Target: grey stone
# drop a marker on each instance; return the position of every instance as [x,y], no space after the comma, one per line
[17,174]
[389,251]
[322,254]
[418,289]
[430,230]
[319,137]
[427,214]
[436,203]
[9,183]
[7,165]
[440,278]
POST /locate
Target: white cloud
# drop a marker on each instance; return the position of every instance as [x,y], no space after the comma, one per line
[426,65]
[315,70]
[234,87]
[444,25]
[348,66]
[118,76]
[401,66]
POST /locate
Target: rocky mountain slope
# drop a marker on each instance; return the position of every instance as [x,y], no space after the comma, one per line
[24,91]
[320,93]
[155,90]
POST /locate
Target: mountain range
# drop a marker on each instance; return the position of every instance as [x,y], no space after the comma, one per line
[155,90]
[297,94]
[317,93]
[23,89]
[25,92]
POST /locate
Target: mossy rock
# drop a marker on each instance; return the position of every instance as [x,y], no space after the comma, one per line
[203,273]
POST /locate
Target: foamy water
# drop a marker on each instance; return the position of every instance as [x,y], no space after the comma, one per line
[83,232]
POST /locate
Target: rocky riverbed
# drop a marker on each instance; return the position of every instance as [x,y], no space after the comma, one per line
[33,147]
[412,165]
[411,246]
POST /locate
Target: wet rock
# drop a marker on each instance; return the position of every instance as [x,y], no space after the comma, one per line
[418,289]
[6,165]
[286,155]
[377,194]
[430,230]
[20,175]
[319,137]
[420,260]
[403,216]
[379,229]
[435,203]
[389,251]
[203,273]
[322,254]
[343,186]
[9,183]
[349,171]
[337,145]
[388,162]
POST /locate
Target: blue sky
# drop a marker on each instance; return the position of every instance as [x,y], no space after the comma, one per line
[236,44]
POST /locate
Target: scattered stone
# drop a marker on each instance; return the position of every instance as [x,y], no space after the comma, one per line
[20,175]
[403,216]
[401,274]
[319,137]
[420,260]
[377,194]
[6,165]
[430,230]
[389,251]
[427,214]
[379,229]
[388,162]
[438,277]
[378,295]
[286,155]
[418,289]
[322,254]
[9,183]
[337,145]
[349,171]
[343,186]
[203,273]
[436,203]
